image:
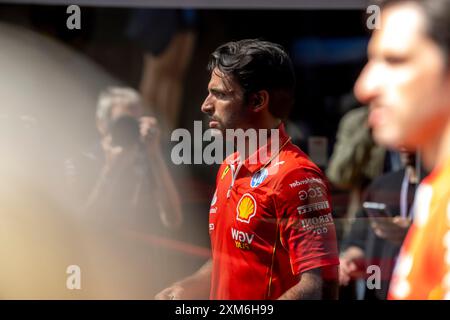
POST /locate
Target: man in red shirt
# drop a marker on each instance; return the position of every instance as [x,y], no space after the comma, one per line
[271,227]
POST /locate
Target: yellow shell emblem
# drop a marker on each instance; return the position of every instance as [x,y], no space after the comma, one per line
[246,208]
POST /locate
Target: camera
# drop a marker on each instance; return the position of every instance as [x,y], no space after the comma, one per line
[125,131]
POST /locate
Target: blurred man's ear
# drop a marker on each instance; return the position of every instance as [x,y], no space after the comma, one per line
[259,100]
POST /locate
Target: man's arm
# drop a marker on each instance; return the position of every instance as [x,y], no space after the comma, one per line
[307,232]
[315,284]
[169,203]
[194,287]
[168,198]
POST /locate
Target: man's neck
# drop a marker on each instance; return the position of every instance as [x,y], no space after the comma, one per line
[266,131]
[437,152]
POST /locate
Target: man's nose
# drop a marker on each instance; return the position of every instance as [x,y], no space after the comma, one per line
[207,105]
[367,85]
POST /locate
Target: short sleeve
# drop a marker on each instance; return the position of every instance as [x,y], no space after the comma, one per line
[307,228]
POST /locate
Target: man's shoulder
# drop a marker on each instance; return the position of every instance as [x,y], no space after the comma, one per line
[296,169]
[298,161]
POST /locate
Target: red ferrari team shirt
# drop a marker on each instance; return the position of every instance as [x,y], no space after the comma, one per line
[269,222]
[423,268]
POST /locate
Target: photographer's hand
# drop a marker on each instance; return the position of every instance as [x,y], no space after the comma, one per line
[150,133]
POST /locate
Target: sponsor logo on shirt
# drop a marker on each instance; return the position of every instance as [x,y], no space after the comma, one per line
[224,173]
[313,207]
[258,178]
[297,183]
[317,223]
[273,169]
[279,163]
[242,240]
[211,226]
[246,208]
[311,193]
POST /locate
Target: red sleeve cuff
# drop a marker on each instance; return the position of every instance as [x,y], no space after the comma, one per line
[301,265]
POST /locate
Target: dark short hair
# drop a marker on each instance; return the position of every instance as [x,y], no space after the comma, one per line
[437,15]
[258,65]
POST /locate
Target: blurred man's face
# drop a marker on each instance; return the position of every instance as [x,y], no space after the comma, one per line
[225,103]
[405,81]
[123,109]
[119,110]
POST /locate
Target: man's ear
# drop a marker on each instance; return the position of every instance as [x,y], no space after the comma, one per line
[259,100]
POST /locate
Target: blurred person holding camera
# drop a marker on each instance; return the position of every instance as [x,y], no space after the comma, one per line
[406,83]
[134,178]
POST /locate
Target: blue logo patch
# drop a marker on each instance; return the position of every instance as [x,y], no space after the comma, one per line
[258,178]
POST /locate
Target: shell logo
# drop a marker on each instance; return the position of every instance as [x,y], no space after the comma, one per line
[246,208]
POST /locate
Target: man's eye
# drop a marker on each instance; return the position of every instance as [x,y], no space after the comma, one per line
[219,95]
[395,60]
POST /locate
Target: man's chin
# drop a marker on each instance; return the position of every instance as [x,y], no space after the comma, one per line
[387,139]
[215,132]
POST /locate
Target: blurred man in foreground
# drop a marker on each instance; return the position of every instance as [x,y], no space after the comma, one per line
[407,84]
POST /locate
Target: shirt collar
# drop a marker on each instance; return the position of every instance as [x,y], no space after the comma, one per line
[264,155]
